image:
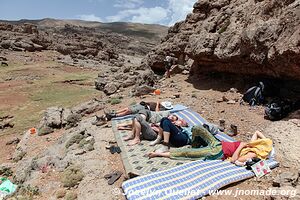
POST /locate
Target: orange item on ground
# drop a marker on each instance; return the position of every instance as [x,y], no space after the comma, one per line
[32,130]
[157,92]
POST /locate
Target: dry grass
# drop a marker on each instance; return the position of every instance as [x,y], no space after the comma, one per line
[27,90]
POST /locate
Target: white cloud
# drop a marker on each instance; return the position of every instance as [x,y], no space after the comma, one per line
[133,11]
[149,15]
[128,4]
[178,10]
[90,17]
[141,15]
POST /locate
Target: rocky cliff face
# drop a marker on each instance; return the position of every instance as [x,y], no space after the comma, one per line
[256,37]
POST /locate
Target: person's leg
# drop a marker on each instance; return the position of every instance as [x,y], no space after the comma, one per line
[125,126]
[158,139]
[119,113]
[134,123]
[166,137]
[260,135]
[132,135]
[172,134]
[212,151]
[203,153]
[147,133]
[254,137]
[135,109]
[257,135]
[165,126]
[137,133]
[123,113]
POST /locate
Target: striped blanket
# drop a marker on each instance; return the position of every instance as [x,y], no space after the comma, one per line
[191,180]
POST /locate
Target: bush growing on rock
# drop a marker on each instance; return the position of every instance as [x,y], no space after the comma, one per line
[60,193]
[114,101]
[75,139]
[72,176]
[5,171]
[28,191]
[87,143]
[71,196]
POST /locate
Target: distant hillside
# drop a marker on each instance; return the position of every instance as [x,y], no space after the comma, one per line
[149,31]
[101,42]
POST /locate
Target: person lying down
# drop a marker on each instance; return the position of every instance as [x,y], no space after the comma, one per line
[236,152]
[152,117]
[136,108]
[141,129]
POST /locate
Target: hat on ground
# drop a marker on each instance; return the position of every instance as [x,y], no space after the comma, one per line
[167,105]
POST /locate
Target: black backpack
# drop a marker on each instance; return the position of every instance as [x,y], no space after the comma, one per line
[278,109]
[255,95]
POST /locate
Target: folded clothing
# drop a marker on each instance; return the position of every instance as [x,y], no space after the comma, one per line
[6,187]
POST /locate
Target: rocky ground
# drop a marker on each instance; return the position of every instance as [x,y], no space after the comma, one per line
[49,73]
[70,158]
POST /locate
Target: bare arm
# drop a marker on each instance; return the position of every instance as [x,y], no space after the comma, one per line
[157,106]
[246,157]
[237,152]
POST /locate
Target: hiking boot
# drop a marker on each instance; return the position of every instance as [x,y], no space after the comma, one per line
[164,148]
[233,130]
[99,121]
[222,125]
[109,116]
[156,141]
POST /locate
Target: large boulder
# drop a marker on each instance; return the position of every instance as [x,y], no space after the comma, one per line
[30,28]
[6,26]
[53,117]
[110,88]
[57,117]
[245,37]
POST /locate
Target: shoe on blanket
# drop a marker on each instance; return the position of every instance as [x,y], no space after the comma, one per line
[164,148]
[156,141]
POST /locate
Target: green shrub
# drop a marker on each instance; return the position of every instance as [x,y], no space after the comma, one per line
[72,176]
[114,101]
[6,171]
[75,139]
[71,196]
[28,191]
[60,193]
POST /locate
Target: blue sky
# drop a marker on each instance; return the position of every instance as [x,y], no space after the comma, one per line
[165,12]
